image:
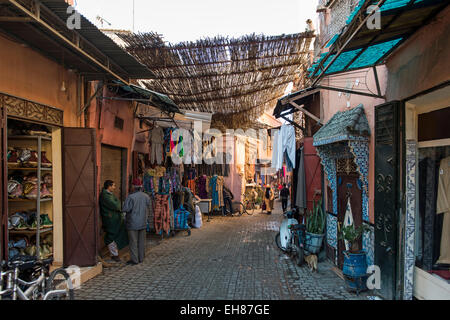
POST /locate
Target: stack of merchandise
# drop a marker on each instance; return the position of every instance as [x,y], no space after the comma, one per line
[25,187]
[22,247]
[26,220]
[26,158]
[19,128]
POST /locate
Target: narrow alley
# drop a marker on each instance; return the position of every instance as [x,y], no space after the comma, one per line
[229,258]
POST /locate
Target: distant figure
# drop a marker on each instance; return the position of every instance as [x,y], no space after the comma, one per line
[227,197]
[269,196]
[284,194]
[112,221]
[136,206]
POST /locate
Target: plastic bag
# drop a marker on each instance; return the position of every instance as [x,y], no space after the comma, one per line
[198,218]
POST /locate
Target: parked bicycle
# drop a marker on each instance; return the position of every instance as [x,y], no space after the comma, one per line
[39,286]
[248,206]
[291,238]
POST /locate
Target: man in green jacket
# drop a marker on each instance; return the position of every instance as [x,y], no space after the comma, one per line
[116,237]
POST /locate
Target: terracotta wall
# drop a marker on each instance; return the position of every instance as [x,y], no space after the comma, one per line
[422,62]
[27,74]
[332,102]
[102,114]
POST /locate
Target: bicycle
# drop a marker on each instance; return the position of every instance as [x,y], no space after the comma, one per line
[57,286]
[248,206]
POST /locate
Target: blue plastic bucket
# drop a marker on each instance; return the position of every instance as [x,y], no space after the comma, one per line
[313,242]
[355,270]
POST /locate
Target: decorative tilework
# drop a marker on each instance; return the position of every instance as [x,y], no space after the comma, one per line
[368,245]
[360,150]
[330,169]
[332,230]
[411,148]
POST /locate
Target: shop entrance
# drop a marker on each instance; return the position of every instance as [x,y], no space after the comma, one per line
[114,164]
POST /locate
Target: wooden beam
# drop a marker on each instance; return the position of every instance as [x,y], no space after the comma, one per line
[16,19]
[309,114]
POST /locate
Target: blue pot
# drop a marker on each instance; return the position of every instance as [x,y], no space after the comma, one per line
[313,242]
[355,270]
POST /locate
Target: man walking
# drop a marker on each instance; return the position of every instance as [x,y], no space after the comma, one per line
[116,236]
[135,206]
[284,194]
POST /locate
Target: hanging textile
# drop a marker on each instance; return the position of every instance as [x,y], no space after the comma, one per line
[214,194]
[201,187]
[240,155]
[220,182]
[162,214]
[300,194]
[157,141]
[443,207]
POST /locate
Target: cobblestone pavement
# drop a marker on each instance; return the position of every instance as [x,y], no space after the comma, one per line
[231,258]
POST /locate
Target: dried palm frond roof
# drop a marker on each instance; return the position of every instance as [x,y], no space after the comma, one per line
[239,78]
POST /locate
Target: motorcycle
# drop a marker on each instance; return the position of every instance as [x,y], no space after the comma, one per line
[291,237]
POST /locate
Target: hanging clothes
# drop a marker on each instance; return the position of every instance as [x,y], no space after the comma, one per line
[276,162]
[162,214]
[240,155]
[443,207]
[288,144]
[157,141]
[220,182]
[214,193]
[300,194]
[201,187]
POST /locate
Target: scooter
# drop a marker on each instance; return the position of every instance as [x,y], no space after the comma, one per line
[291,237]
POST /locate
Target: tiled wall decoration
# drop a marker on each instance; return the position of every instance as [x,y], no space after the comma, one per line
[411,148]
[368,245]
[332,230]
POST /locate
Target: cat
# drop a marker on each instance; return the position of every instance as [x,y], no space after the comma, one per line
[312,262]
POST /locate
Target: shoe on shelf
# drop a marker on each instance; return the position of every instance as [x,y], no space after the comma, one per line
[13,158]
[33,160]
[45,163]
[15,189]
[46,222]
[30,190]
[45,193]
[24,155]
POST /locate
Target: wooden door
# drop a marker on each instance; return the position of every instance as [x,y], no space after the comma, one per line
[348,184]
[80,219]
[388,148]
[313,172]
[3,186]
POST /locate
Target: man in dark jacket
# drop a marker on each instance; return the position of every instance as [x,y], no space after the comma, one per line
[284,194]
[136,206]
[227,197]
[116,236]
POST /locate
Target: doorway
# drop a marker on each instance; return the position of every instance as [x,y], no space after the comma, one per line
[114,167]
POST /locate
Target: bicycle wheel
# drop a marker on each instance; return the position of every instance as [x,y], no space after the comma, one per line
[249,207]
[241,209]
[59,285]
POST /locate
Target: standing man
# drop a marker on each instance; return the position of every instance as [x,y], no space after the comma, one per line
[136,206]
[116,236]
[227,197]
[284,194]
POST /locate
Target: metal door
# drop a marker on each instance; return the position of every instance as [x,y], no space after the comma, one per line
[80,197]
[348,185]
[3,186]
[387,188]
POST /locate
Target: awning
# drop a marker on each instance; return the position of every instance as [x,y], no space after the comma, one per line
[287,104]
[87,50]
[147,97]
[346,125]
[359,47]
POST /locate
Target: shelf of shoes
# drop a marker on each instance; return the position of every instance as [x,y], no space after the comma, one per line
[27,154]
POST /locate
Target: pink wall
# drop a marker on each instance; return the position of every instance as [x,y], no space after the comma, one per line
[422,62]
[332,103]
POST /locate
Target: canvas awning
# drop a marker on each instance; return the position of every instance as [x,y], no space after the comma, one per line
[345,125]
[362,45]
